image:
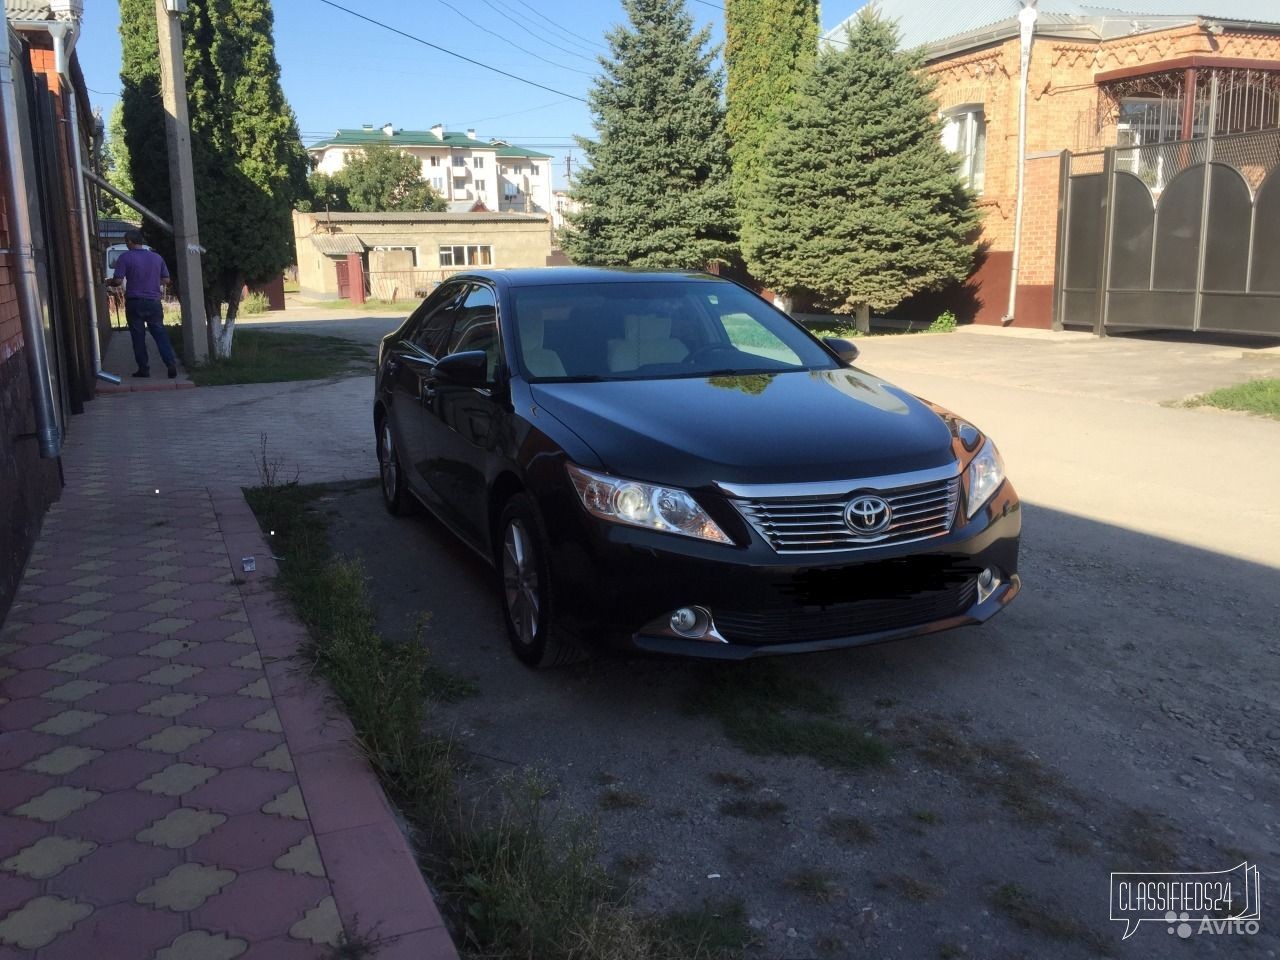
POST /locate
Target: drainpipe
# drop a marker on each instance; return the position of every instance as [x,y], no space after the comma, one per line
[64,35]
[24,256]
[1027,28]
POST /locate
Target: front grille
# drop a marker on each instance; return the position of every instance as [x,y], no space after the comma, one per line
[796,624]
[816,524]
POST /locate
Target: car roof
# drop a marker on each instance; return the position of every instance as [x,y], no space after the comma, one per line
[547,276]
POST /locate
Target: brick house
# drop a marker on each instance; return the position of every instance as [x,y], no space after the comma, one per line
[1122,73]
[460,166]
[49,296]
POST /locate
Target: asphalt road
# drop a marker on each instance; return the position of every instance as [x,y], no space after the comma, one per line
[1122,714]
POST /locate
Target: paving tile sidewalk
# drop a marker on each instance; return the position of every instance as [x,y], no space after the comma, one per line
[172,785]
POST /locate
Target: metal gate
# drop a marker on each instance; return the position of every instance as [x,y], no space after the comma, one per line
[1174,236]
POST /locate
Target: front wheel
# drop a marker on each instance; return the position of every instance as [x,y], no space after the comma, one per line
[526,587]
[394,495]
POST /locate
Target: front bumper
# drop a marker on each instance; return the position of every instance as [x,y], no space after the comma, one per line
[618,586]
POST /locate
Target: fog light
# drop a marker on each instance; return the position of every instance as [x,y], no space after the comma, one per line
[987,583]
[690,622]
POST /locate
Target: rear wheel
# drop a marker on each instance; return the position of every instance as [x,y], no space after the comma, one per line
[394,495]
[526,587]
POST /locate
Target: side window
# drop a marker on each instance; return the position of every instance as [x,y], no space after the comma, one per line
[433,333]
[477,325]
[750,336]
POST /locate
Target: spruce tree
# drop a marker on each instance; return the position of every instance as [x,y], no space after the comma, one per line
[250,165]
[769,45]
[655,191]
[861,204]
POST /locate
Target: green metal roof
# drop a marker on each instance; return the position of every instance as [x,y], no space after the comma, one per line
[363,136]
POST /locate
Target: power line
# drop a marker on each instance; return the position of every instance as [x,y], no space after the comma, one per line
[513,113]
[586,40]
[503,10]
[445,50]
[494,33]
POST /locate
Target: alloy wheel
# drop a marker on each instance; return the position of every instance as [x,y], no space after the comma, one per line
[520,581]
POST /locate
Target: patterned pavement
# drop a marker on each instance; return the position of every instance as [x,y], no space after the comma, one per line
[172,786]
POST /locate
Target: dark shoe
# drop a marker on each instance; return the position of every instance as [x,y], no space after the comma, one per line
[173,372]
[142,373]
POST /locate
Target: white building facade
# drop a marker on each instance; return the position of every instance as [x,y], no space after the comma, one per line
[462,168]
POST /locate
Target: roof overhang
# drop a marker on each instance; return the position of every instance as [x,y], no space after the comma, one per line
[1198,61]
[337,244]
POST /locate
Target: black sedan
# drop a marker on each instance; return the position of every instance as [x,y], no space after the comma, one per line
[665,461]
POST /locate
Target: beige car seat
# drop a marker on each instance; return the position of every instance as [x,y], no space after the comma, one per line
[538,360]
[647,340]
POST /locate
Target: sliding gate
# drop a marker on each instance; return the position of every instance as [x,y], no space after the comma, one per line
[1173,236]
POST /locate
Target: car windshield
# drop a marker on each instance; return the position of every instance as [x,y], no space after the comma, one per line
[656,329]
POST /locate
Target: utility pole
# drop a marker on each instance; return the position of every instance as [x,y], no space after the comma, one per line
[186,231]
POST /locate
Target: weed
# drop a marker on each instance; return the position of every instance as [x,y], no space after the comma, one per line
[950,951]
[620,800]
[353,946]
[815,884]
[738,781]
[1149,838]
[909,887]
[748,809]
[718,929]
[605,779]
[927,816]
[884,703]
[765,710]
[254,304]
[946,323]
[632,864]
[1257,396]
[850,831]
[828,944]
[1031,914]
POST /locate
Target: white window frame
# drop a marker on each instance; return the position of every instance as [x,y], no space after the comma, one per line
[466,255]
[964,133]
[459,160]
[412,250]
[478,161]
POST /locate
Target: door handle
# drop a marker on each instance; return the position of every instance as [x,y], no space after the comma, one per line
[392,365]
[427,391]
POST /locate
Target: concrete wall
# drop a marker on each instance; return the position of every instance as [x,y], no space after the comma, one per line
[517,242]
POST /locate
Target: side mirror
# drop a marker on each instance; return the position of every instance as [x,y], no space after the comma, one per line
[469,368]
[846,350]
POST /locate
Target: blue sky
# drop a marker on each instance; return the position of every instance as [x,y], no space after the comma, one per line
[339,71]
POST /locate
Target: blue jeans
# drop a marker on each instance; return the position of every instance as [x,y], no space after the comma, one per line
[144,315]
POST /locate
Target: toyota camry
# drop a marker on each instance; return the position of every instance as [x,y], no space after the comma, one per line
[668,463]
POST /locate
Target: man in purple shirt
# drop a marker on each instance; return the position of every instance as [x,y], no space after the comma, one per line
[143,273]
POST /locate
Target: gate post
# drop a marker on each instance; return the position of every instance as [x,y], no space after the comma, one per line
[1205,192]
[1104,248]
[1060,254]
[355,278]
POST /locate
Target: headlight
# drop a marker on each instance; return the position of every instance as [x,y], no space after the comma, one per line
[986,473]
[643,505]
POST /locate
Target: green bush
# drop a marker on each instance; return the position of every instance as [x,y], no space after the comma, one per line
[254,303]
[945,323]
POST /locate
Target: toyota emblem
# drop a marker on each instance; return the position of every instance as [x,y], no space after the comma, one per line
[867,516]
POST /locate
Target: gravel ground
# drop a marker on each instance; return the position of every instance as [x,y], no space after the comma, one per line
[1122,714]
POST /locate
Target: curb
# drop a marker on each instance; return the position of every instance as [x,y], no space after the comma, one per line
[108,389]
[377,886]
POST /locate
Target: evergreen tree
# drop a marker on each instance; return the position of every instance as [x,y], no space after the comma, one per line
[769,46]
[250,166]
[656,191]
[380,177]
[115,166]
[861,204]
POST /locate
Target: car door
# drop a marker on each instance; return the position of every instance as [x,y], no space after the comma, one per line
[409,370]
[466,421]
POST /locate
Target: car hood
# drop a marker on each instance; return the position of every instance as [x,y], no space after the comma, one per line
[759,428]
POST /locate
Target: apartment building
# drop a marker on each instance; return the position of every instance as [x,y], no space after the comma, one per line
[463,169]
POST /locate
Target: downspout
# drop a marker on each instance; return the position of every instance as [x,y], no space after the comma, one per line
[1027,28]
[24,256]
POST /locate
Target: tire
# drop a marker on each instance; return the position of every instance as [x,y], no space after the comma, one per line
[525,583]
[394,495]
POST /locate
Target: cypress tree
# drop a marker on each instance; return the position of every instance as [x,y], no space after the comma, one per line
[769,45]
[656,190]
[861,204]
[250,165]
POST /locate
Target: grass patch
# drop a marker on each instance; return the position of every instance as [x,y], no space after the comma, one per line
[620,800]
[849,831]
[270,356]
[746,808]
[1038,917]
[814,883]
[1257,396]
[518,879]
[909,887]
[765,710]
